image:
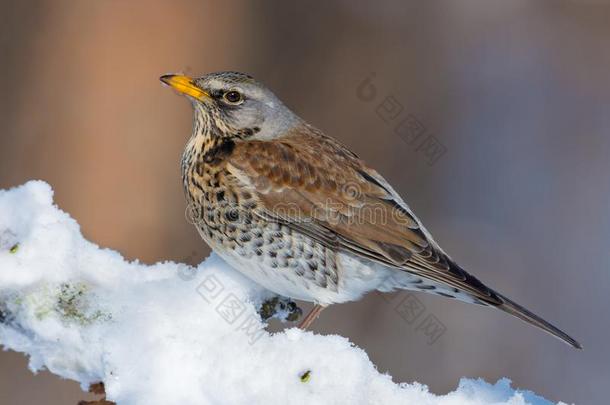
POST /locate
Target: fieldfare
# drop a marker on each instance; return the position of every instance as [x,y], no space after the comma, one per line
[300,214]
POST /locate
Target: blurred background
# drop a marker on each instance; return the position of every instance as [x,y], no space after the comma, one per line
[515,94]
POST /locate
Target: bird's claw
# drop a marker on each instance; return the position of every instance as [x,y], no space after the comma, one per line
[281,308]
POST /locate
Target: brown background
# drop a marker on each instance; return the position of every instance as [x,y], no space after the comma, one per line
[518,93]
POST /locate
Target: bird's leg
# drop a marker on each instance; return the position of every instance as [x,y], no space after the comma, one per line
[311,316]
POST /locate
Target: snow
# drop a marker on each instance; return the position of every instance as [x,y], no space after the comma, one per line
[169,333]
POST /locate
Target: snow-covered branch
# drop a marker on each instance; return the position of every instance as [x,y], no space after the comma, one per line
[173,334]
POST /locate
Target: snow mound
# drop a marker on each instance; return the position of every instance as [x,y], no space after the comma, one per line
[170,333]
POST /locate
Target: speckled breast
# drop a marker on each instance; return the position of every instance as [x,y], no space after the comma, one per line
[274,255]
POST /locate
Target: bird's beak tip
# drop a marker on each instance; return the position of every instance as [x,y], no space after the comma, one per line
[166,78]
[184,85]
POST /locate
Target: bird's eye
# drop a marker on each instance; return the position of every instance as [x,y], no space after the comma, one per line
[233,97]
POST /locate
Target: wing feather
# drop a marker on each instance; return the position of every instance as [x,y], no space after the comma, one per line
[311,183]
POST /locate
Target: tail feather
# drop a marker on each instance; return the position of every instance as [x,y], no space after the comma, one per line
[518,311]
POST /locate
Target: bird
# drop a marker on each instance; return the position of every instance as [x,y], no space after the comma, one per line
[300,214]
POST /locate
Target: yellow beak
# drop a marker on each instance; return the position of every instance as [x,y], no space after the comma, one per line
[185,85]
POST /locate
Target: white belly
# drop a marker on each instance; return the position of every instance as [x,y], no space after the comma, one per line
[356,278]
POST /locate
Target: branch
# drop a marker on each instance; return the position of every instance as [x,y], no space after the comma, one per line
[169,333]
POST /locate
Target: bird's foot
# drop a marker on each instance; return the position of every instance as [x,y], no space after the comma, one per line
[281,308]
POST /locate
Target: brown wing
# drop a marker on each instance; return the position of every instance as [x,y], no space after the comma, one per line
[312,183]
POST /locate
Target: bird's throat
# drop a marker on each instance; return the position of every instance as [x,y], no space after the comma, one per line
[205,149]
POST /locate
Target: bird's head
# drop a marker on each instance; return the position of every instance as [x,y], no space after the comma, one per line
[233,105]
